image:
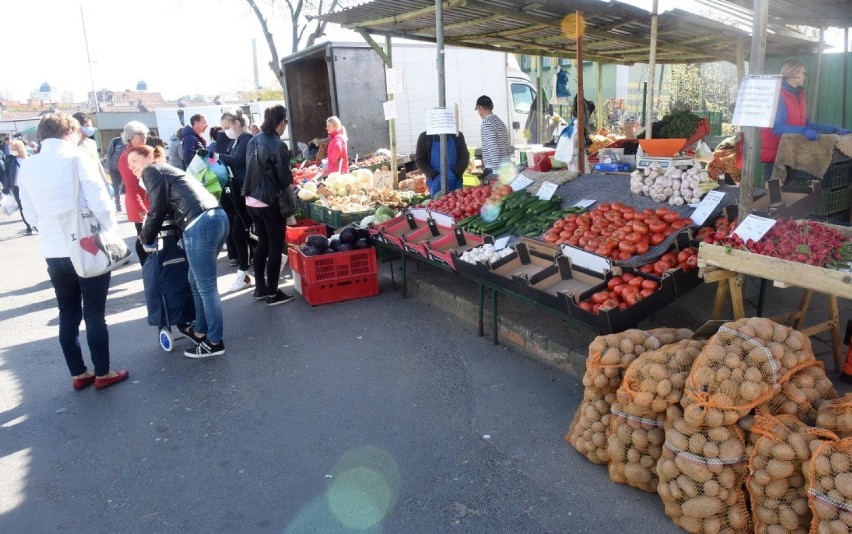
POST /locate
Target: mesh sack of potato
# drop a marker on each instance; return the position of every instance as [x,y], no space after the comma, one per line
[743,365]
[776,482]
[836,415]
[802,394]
[655,380]
[609,356]
[634,446]
[701,473]
[829,479]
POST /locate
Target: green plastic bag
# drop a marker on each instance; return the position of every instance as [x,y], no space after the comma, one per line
[210,182]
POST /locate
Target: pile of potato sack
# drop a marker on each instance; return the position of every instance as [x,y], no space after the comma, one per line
[742,432]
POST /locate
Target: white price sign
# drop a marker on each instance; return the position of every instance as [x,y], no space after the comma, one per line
[521,182]
[707,206]
[545,192]
[753,227]
[757,101]
[420,213]
[389,108]
[584,203]
[441,121]
[443,220]
[395,81]
[501,243]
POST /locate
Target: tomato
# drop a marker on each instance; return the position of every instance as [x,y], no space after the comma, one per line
[604,206]
[648,268]
[609,304]
[671,217]
[661,212]
[640,227]
[691,263]
[600,297]
[641,248]
[633,237]
[619,289]
[656,239]
[623,256]
[614,281]
[627,247]
[573,241]
[627,277]
[650,284]
[636,281]
[657,227]
[550,238]
[632,298]
[628,215]
[559,224]
[645,293]
[623,306]
[586,306]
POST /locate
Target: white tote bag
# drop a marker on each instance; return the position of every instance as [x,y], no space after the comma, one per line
[93,252]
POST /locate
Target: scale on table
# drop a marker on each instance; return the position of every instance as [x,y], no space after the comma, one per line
[665,162]
[664,152]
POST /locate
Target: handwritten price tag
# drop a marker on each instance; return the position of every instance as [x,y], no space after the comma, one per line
[585,203]
[521,182]
[707,206]
[754,227]
[501,243]
[545,192]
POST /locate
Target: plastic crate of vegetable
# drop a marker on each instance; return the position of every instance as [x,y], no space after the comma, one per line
[296,235]
[334,266]
[347,288]
[839,174]
[834,201]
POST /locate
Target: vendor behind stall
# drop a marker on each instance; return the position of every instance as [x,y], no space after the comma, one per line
[428,160]
[792,116]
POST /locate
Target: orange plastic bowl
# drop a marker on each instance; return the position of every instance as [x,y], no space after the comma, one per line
[662,148]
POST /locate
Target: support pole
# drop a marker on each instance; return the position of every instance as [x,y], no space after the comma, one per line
[392,122]
[599,110]
[539,100]
[581,99]
[442,86]
[740,55]
[652,69]
[818,76]
[845,72]
[756,62]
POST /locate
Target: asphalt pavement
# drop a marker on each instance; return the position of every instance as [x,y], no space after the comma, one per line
[374,415]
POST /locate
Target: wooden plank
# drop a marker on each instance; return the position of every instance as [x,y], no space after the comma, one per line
[737,304]
[834,313]
[721,297]
[803,308]
[718,275]
[788,272]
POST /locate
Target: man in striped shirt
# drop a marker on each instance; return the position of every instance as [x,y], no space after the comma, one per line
[496,148]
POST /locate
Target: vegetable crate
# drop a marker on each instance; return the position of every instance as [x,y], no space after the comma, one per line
[296,235]
[337,218]
[335,277]
[839,174]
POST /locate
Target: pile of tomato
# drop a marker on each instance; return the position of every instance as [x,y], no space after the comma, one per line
[616,230]
[621,293]
[463,203]
[686,259]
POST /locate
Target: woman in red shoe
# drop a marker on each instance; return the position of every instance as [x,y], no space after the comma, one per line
[47,188]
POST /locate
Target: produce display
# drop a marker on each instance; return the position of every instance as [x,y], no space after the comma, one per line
[415,182]
[836,415]
[808,242]
[469,201]
[674,185]
[686,259]
[484,253]
[807,389]
[305,174]
[676,125]
[519,213]
[724,163]
[829,483]
[720,229]
[616,230]
[621,293]
[348,240]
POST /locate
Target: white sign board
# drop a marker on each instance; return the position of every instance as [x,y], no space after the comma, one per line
[587,260]
[501,243]
[545,192]
[521,182]
[706,206]
[754,228]
[441,121]
[757,101]
[395,81]
[584,203]
[389,108]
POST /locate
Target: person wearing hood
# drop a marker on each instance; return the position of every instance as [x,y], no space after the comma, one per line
[791,116]
[193,138]
[175,159]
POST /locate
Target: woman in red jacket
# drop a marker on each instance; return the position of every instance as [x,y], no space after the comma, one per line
[135,198]
[338,159]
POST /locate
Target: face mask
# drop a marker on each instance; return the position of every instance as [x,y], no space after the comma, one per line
[231,133]
[89,130]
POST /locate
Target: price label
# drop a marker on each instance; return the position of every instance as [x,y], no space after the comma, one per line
[419,213]
[521,182]
[585,203]
[443,220]
[389,108]
[545,192]
[707,206]
[501,243]
[753,227]
[394,81]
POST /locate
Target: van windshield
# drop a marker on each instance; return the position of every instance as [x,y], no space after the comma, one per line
[522,97]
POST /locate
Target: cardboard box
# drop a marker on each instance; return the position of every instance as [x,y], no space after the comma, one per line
[528,257]
[459,241]
[416,240]
[554,286]
[778,203]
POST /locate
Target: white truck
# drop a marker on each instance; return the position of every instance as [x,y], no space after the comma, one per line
[349,80]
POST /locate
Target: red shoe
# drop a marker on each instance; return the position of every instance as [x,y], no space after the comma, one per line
[120,376]
[82,383]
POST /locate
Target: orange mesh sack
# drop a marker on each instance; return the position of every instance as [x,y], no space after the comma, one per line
[634,446]
[806,390]
[776,483]
[655,380]
[701,474]
[836,415]
[609,356]
[829,479]
[743,365]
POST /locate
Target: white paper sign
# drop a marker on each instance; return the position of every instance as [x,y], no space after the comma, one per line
[419,213]
[443,220]
[753,227]
[501,243]
[545,192]
[706,206]
[521,182]
[585,203]
[395,82]
[757,101]
[389,108]
[587,260]
[440,121]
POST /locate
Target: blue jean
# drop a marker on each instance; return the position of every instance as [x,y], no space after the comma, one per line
[80,299]
[202,242]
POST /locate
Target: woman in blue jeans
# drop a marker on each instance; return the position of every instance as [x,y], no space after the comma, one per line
[205,229]
[47,188]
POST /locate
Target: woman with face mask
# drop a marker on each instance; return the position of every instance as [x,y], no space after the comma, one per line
[89,147]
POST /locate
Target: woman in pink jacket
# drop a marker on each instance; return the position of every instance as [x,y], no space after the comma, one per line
[338,159]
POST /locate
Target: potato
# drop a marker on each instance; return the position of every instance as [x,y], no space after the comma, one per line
[702,507]
[843,481]
[750,391]
[696,471]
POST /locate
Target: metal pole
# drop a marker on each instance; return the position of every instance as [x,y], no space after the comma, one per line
[755,66]
[581,99]
[740,55]
[818,75]
[652,69]
[442,85]
[392,122]
[644,101]
[600,109]
[89,59]
[845,71]
[539,101]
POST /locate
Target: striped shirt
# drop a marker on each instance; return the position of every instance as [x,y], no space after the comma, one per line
[496,148]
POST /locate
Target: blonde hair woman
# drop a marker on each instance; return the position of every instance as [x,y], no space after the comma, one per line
[338,159]
[18,149]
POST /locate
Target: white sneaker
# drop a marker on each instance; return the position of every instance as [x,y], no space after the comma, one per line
[242,281]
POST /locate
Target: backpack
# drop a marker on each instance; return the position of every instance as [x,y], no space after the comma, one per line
[116,147]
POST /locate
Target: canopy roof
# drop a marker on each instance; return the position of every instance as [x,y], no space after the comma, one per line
[816,13]
[614,32]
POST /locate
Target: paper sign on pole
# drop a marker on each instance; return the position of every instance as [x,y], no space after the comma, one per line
[757,101]
[389,108]
[753,227]
[545,192]
[707,206]
[521,182]
[394,81]
[441,121]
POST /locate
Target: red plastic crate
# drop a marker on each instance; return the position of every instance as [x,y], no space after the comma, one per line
[296,235]
[347,288]
[335,266]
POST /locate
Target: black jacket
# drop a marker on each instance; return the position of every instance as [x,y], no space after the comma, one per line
[267,159]
[235,159]
[423,155]
[172,190]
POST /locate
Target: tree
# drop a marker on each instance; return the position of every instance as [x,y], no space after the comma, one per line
[301,15]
